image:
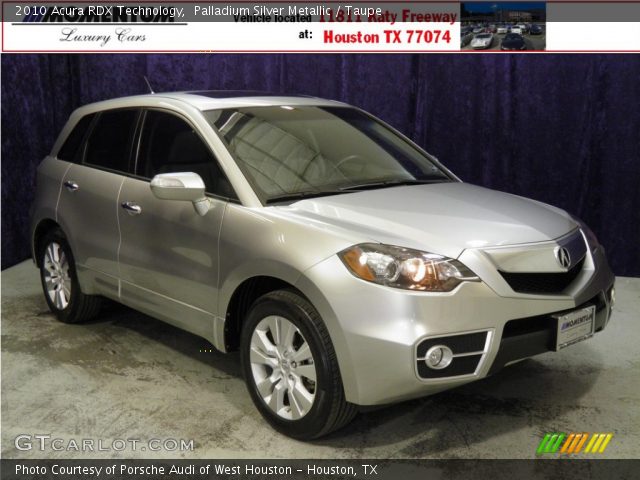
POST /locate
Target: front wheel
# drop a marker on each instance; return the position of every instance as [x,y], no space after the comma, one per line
[291,369]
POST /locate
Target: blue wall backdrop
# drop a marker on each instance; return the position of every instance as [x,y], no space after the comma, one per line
[563,129]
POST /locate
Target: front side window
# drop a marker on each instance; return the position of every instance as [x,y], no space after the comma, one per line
[286,151]
[170,145]
[109,145]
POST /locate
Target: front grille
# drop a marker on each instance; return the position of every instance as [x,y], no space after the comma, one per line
[542,282]
[526,337]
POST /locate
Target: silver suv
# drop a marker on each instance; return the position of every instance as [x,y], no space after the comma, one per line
[347,265]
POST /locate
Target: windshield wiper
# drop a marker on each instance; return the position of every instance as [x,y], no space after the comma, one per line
[394,183]
[302,195]
[351,188]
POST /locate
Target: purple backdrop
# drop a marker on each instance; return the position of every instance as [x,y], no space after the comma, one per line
[563,129]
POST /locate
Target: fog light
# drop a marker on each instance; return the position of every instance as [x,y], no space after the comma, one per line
[438,357]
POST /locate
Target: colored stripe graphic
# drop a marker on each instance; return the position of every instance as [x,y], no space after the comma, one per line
[568,444]
[550,443]
[596,446]
[582,441]
[572,443]
[606,442]
[556,445]
[549,446]
[591,442]
[543,442]
[576,441]
[598,443]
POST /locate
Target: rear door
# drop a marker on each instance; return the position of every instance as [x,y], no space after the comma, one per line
[87,209]
[169,254]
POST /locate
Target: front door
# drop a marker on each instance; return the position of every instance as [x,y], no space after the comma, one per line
[169,255]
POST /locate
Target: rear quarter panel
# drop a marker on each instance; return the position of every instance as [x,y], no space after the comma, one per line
[49,177]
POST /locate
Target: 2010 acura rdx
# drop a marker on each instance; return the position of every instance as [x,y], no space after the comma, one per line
[347,265]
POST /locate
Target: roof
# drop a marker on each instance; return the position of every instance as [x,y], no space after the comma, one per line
[239,94]
[213,99]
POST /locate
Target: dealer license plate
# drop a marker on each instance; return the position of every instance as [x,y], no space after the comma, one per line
[573,327]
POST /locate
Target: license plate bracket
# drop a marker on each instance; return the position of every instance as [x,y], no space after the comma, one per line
[575,326]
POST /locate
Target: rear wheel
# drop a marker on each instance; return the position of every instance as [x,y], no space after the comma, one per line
[60,281]
[291,369]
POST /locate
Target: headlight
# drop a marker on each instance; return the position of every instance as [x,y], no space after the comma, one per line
[405,268]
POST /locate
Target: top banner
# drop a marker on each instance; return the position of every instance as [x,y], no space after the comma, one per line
[309,26]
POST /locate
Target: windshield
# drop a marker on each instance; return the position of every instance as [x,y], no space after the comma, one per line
[483,36]
[285,151]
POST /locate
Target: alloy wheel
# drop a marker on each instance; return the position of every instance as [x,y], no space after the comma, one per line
[56,274]
[283,367]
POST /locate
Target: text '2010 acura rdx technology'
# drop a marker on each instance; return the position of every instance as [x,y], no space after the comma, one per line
[347,265]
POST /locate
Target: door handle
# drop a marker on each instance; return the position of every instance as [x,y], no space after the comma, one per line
[131,208]
[71,185]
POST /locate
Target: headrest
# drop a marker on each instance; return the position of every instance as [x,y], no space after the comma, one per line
[188,148]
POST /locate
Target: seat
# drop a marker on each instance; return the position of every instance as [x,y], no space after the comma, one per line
[187,153]
[279,161]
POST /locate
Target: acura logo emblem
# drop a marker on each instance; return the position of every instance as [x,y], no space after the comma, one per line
[563,257]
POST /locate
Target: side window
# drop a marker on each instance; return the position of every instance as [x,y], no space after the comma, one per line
[70,150]
[170,145]
[109,145]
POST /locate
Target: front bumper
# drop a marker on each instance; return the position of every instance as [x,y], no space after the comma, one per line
[377,331]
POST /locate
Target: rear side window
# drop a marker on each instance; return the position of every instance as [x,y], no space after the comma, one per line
[109,145]
[70,150]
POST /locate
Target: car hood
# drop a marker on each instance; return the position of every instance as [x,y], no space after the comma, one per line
[443,218]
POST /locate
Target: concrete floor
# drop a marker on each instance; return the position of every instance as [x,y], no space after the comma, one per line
[129,376]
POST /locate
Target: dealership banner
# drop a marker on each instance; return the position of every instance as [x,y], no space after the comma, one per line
[314,469]
[309,26]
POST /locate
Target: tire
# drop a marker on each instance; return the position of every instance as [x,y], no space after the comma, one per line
[60,281]
[280,369]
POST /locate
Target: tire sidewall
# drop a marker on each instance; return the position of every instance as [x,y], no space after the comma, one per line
[65,315]
[315,420]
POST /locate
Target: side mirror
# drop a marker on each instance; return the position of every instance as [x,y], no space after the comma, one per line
[184,186]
